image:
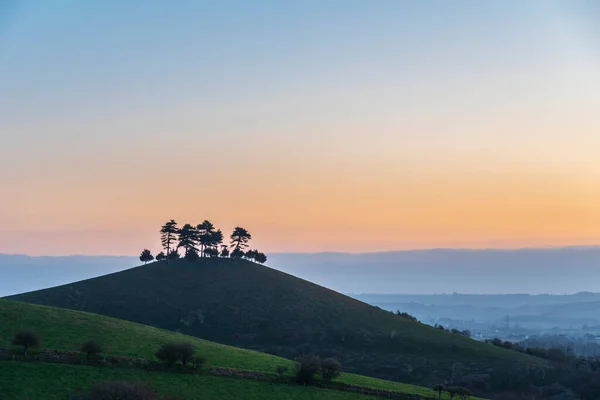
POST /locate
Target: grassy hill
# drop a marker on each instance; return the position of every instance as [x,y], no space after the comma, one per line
[66,329]
[240,303]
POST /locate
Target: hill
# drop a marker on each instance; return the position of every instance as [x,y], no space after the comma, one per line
[63,329]
[240,303]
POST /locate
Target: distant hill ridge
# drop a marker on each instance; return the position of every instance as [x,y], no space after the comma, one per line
[244,304]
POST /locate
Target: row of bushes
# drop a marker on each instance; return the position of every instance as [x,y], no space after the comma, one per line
[460,392]
[307,367]
[465,333]
[553,354]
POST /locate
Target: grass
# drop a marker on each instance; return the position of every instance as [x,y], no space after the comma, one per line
[59,382]
[67,329]
[64,329]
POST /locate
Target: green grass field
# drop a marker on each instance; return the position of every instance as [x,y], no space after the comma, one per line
[67,329]
[36,381]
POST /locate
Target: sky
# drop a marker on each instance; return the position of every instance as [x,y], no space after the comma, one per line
[336,125]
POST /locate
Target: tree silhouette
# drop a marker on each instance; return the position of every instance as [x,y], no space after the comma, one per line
[330,369]
[216,240]
[251,254]
[239,238]
[191,255]
[211,252]
[260,258]
[224,251]
[26,339]
[173,255]
[205,232]
[439,388]
[168,234]
[187,238]
[160,256]
[237,253]
[146,256]
[90,348]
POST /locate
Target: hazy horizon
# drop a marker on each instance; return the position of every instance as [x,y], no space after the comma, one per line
[493,271]
[334,252]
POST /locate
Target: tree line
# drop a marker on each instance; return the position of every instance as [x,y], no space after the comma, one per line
[202,240]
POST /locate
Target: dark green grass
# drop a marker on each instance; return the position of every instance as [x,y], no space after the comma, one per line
[59,382]
[247,305]
[65,329]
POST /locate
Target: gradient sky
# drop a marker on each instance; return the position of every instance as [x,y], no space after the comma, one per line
[317,125]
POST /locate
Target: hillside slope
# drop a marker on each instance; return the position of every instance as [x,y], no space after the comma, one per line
[63,329]
[247,305]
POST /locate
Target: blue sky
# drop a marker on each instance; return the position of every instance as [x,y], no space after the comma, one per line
[341,98]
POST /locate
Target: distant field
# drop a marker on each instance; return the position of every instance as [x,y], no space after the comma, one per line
[67,329]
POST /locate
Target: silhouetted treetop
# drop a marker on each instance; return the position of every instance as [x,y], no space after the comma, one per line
[146,256]
[239,238]
[168,234]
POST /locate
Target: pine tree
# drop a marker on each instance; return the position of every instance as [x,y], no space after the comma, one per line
[168,235]
[239,238]
[188,235]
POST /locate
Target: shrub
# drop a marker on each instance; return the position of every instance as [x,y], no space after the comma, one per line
[555,354]
[168,353]
[452,392]
[91,348]
[463,393]
[27,339]
[121,390]
[330,369]
[191,256]
[281,370]
[186,352]
[307,368]
[439,389]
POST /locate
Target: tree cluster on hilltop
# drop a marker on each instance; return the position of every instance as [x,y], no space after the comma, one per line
[202,240]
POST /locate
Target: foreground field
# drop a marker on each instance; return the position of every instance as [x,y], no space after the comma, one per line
[34,381]
[66,329]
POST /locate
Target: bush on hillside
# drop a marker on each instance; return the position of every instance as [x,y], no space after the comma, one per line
[186,352]
[330,369]
[459,392]
[211,252]
[407,316]
[168,353]
[439,389]
[191,256]
[146,256]
[307,368]
[91,348]
[27,339]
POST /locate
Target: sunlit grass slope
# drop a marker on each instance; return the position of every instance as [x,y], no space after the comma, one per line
[66,329]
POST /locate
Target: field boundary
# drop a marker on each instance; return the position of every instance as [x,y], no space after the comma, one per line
[78,358]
